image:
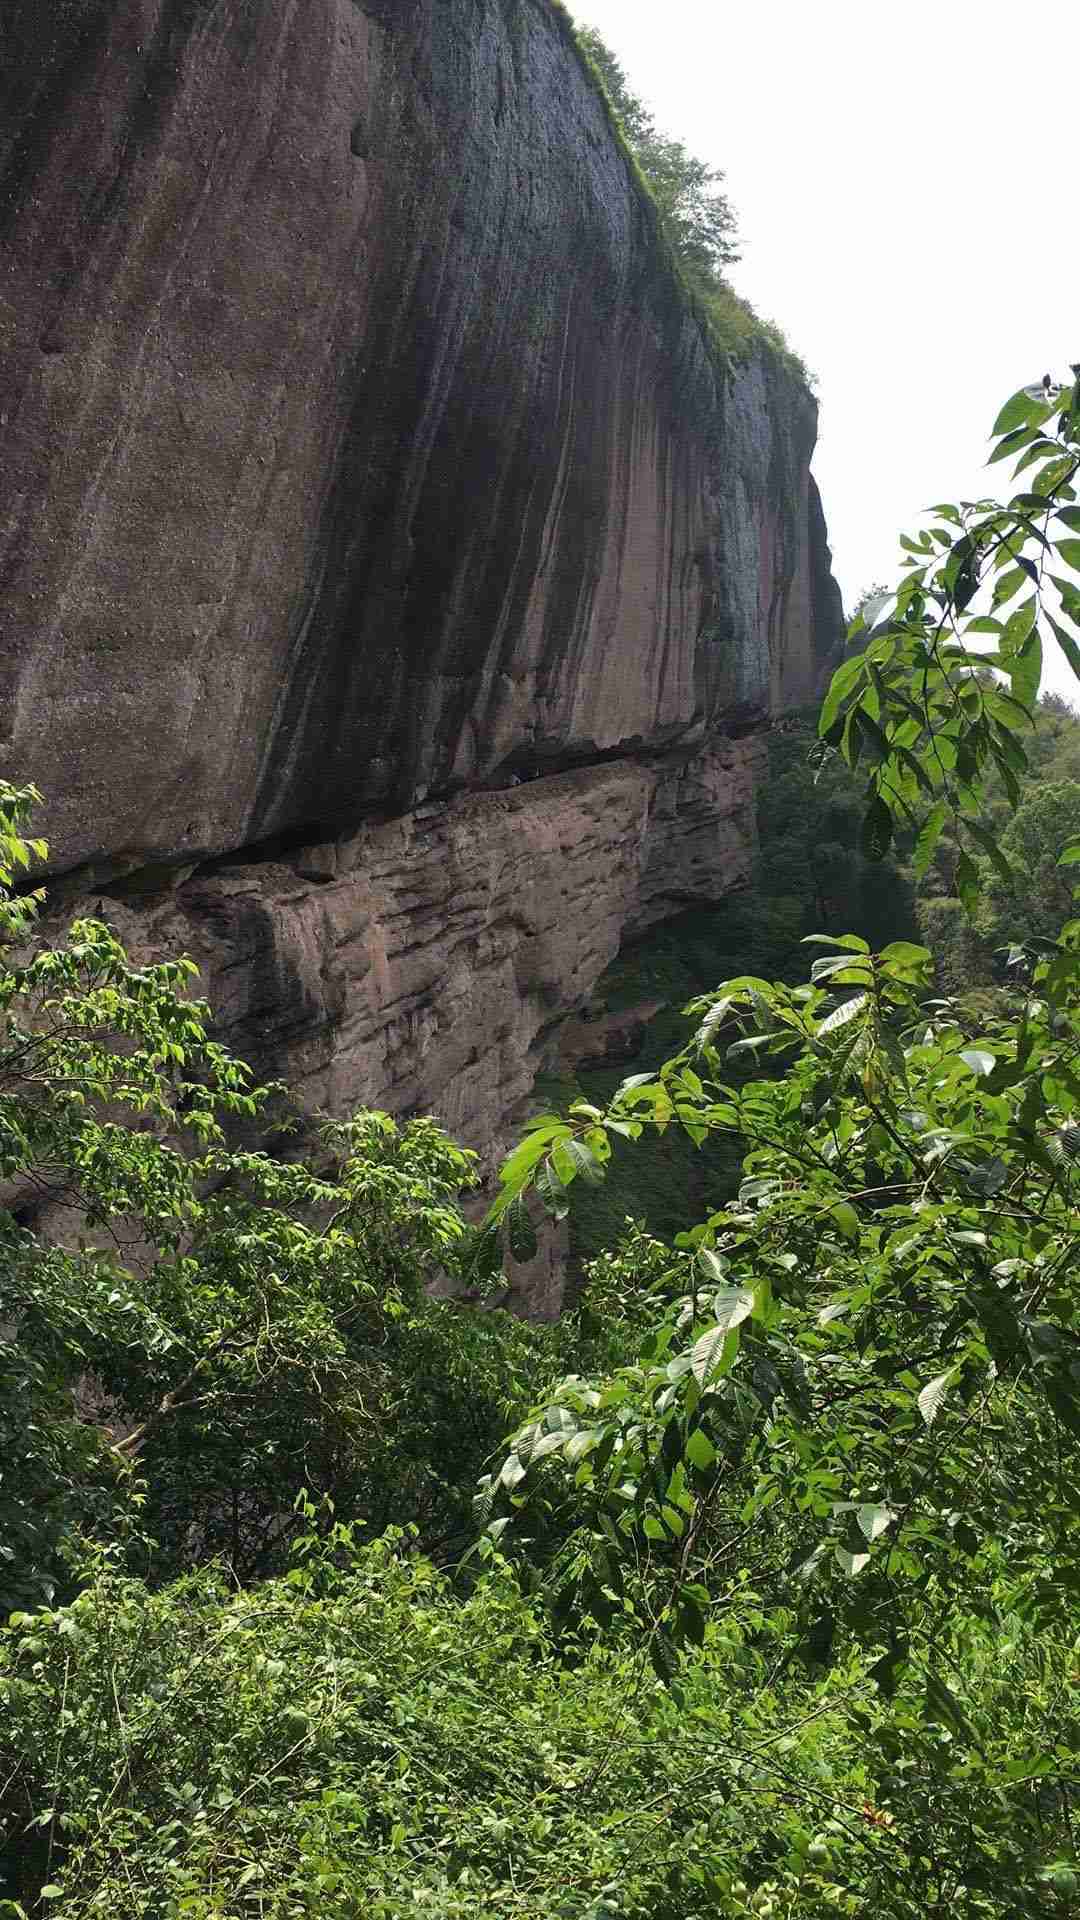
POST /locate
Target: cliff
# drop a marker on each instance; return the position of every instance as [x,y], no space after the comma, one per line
[360,454]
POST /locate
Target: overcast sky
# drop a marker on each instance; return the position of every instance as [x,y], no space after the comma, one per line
[906,175]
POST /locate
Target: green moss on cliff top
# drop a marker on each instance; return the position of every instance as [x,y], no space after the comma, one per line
[729,324]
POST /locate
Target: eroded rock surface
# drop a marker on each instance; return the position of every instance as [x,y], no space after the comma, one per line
[355,438]
[359,456]
[427,963]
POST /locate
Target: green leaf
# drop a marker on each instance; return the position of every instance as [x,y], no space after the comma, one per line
[846,1218]
[733,1305]
[843,1015]
[929,834]
[713,1265]
[712,1356]
[942,1703]
[1026,408]
[844,679]
[521,1232]
[875,835]
[581,1443]
[583,1160]
[850,942]
[978,1060]
[1070,553]
[991,848]
[1018,626]
[874,1519]
[700,1451]
[968,884]
[904,955]
[930,1398]
[1067,642]
[1008,584]
[1025,670]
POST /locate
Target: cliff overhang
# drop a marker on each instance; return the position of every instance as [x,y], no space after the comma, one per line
[389,560]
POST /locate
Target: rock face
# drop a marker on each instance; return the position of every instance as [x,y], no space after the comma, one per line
[359,453]
[428,962]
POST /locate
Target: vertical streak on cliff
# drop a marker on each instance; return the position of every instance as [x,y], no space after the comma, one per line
[358,451]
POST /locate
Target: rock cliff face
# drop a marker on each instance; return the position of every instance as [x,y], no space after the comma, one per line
[427,962]
[358,453]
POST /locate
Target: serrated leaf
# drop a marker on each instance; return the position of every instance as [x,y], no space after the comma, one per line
[848,1010]
[968,884]
[930,1399]
[521,1232]
[851,1562]
[874,1519]
[875,834]
[712,1356]
[929,835]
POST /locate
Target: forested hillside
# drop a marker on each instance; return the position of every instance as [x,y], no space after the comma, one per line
[748,1588]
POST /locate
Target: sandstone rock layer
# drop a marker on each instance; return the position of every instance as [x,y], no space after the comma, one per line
[391,571]
[428,962]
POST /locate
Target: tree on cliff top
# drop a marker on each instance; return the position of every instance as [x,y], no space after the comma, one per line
[698,219]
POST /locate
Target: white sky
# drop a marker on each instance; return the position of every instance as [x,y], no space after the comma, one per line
[906,175]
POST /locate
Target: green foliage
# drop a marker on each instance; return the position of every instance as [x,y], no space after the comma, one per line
[860,1383]
[223,1327]
[359,1739]
[809,871]
[792,1505]
[695,218]
[916,707]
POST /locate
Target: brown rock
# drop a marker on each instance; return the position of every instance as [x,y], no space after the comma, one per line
[354,436]
[358,451]
[432,973]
